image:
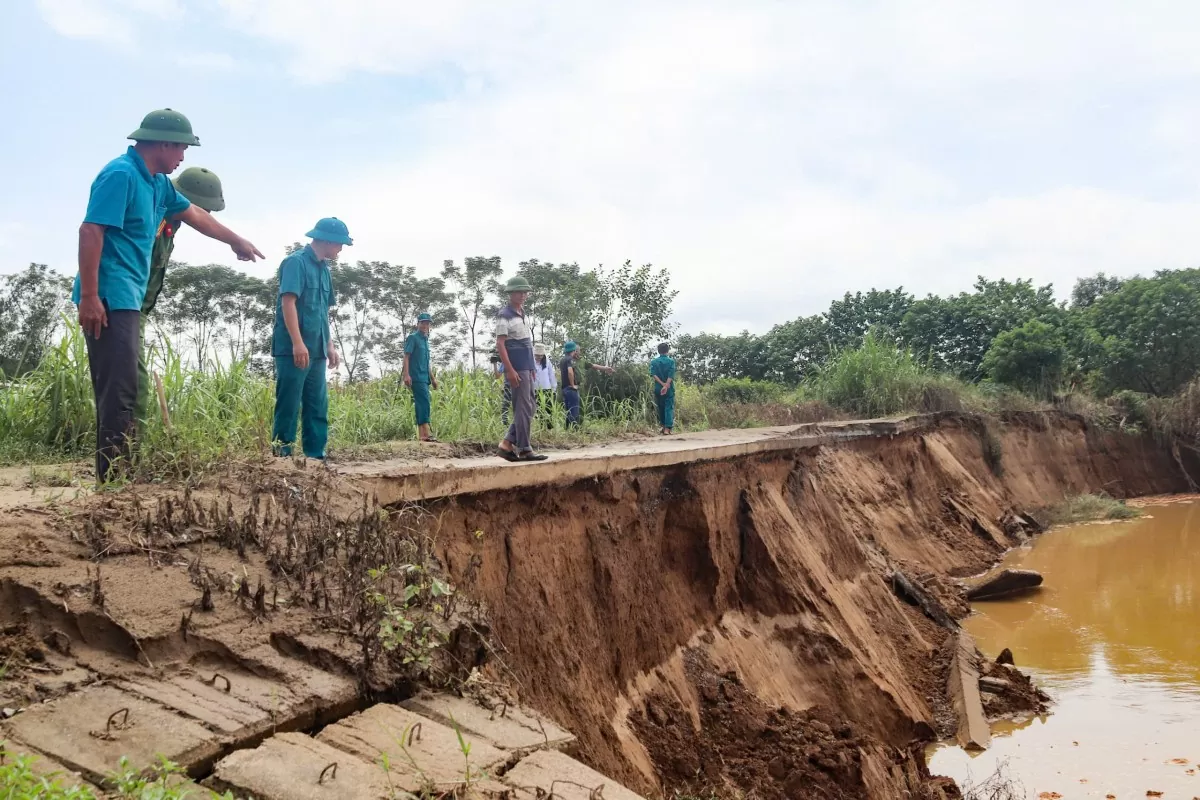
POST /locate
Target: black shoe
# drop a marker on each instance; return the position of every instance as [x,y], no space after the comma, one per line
[532,456]
[507,455]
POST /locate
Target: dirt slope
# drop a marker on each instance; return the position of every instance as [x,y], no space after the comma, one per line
[622,602]
[715,625]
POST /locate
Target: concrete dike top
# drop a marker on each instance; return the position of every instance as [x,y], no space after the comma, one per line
[405,480]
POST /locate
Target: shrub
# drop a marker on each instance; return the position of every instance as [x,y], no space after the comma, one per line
[744,391]
[876,379]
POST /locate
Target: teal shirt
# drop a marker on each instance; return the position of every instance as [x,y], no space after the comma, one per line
[130,203]
[307,277]
[417,347]
[663,368]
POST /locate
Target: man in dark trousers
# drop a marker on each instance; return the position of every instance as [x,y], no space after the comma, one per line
[128,201]
[571,367]
[514,343]
[303,345]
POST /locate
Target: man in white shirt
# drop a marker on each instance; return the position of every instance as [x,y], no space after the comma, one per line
[545,383]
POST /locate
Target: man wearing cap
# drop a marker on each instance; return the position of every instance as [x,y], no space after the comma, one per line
[302,345]
[569,367]
[418,374]
[202,188]
[514,343]
[662,369]
[129,199]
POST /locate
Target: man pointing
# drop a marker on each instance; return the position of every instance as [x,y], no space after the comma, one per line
[129,199]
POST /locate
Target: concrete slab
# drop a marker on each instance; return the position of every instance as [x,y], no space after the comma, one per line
[401,480]
[298,696]
[71,730]
[419,749]
[563,778]
[516,730]
[289,766]
[974,733]
[205,703]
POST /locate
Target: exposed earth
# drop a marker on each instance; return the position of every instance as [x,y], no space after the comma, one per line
[707,613]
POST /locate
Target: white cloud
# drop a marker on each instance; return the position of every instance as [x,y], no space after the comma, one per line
[763,151]
[86,19]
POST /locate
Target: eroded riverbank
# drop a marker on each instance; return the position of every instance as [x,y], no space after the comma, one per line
[1114,638]
[721,616]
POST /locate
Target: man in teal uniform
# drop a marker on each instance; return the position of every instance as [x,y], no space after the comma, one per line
[202,188]
[302,344]
[128,200]
[418,374]
[662,369]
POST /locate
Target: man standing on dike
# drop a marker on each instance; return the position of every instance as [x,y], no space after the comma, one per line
[128,200]
[418,374]
[514,343]
[569,367]
[202,188]
[662,369]
[302,344]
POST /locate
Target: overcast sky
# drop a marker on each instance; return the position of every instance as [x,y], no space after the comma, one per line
[772,155]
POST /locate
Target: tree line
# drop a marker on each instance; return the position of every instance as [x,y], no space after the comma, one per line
[214,313]
[1140,334]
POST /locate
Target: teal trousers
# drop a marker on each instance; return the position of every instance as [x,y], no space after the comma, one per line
[666,409]
[301,393]
[420,390]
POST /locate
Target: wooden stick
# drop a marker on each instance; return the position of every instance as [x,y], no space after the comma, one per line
[162,402]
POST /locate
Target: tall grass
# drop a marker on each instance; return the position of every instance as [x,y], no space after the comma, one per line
[226,411]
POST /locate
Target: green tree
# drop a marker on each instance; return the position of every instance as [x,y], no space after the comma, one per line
[1088,290]
[849,319]
[355,319]
[708,357]
[403,297]
[794,350]
[565,303]
[32,303]
[953,334]
[1030,357]
[634,304]
[1150,329]
[474,286]
[197,302]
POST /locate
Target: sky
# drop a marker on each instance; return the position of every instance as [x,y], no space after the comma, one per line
[771,154]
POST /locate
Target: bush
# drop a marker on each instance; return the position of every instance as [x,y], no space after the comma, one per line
[1089,508]
[874,380]
[743,391]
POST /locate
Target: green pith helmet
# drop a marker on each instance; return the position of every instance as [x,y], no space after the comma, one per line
[331,229]
[517,284]
[202,187]
[166,125]
[570,347]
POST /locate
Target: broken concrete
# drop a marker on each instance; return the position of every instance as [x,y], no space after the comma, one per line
[89,731]
[420,751]
[973,730]
[292,766]
[560,776]
[1005,583]
[514,730]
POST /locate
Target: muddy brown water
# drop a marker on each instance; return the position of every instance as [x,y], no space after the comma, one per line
[1114,638]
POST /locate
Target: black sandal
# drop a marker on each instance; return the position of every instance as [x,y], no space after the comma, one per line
[507,455]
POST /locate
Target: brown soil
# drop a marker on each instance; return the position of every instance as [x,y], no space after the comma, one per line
[708,614]
[1019,699]
[771,567]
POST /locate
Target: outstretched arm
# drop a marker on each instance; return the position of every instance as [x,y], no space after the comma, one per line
[204,222]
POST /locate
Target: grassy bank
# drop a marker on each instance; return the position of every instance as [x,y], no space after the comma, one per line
[1089,508]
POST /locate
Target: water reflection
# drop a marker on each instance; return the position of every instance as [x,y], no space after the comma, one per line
[1114,638]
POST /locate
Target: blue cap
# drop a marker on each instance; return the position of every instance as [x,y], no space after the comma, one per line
[331,229]
[570,347]
[423,317]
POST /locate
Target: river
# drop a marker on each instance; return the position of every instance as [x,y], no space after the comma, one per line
[1114,638]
